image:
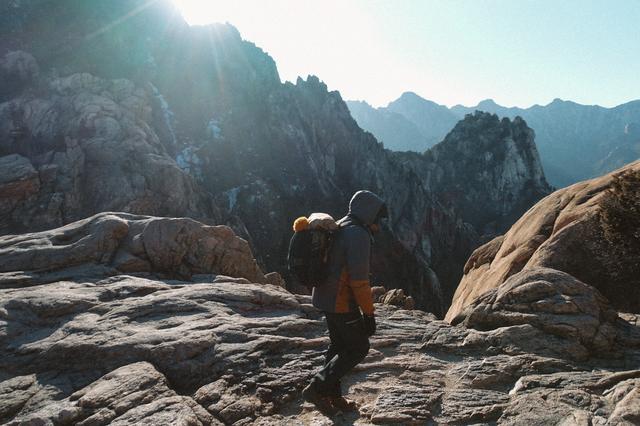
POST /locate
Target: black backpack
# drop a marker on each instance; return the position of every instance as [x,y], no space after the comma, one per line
[308,256]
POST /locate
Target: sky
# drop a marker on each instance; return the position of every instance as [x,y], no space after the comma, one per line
[517,52]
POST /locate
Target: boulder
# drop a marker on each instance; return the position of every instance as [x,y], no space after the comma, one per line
[564,231]
[275,279]
[550,301]
[396,297]
[113,243]
[378,292]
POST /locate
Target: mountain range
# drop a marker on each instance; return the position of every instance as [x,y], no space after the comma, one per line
[154,117]
[575,141]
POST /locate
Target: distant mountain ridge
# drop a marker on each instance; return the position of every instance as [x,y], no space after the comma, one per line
[397,131]
[409,123]
[575,141]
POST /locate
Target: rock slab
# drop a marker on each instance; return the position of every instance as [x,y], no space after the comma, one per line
[563,231]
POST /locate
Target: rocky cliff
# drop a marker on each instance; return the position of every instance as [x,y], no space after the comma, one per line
[489,169]
[97,328]
[79,144]
[589,230]
[126,108]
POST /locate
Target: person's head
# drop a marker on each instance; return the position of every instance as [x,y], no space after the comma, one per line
[368,208]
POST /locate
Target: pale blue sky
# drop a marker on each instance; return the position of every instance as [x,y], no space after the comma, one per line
[518,52]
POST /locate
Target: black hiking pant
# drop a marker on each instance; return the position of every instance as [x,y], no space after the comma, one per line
[349,345]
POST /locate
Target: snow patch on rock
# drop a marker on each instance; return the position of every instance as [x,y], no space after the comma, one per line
[189,161]
[232,197]
[213,129]
[167,114]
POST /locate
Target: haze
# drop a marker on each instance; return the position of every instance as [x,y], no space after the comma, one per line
[518,53]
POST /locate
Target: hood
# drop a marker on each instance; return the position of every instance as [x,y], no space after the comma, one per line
[365,205]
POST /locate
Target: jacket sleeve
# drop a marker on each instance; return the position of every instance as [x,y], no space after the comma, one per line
[358,260]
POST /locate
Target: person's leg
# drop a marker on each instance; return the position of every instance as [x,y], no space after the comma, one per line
[355,348]
[354,345]
[335,347]
[322,396]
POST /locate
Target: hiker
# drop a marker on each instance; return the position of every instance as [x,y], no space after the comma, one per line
[346,300]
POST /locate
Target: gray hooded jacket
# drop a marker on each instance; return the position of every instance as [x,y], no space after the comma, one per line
[347,286]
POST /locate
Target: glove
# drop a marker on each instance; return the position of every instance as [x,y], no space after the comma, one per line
[369,324]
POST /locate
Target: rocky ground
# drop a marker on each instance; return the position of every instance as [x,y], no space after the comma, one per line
[143,347]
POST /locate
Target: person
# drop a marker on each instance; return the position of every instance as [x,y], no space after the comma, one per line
[346,300]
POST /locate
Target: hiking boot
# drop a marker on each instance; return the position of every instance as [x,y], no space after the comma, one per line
[322,402]
[343,404]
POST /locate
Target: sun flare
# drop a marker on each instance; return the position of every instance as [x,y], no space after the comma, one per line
[200,12]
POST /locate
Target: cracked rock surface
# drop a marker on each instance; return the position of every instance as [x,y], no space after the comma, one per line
[143,347]
[126,350]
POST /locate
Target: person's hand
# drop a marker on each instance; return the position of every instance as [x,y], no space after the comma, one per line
[369,324]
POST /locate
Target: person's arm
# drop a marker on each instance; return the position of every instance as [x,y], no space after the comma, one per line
[358,260]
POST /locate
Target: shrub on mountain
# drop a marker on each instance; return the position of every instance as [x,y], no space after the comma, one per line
[620,221]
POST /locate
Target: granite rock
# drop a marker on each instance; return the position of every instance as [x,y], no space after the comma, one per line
[564,231]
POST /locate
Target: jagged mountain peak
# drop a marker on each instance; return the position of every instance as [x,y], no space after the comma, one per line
[413,99]
[562,103]
[487,103]
[312,81]
[361,103]
[149,41]
[490,162]
[473,124]
[411,96]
